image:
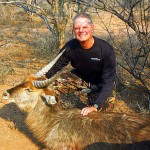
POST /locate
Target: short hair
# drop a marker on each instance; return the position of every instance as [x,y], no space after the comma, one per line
[83,15]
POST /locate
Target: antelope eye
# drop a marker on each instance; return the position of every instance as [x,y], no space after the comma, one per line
[29,90]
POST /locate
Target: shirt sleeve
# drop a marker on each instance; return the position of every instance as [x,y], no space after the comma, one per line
[108,75]
[60,64]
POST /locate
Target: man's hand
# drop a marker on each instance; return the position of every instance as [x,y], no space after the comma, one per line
[87,110]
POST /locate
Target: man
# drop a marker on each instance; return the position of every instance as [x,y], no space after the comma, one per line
[93,60]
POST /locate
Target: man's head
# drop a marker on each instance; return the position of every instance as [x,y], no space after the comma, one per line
[83,27]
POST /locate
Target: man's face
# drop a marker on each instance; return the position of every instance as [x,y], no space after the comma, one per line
[83,30]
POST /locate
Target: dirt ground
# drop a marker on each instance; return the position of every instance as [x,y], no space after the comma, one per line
[20,57]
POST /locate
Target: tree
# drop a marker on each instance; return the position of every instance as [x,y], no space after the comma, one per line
[56,15]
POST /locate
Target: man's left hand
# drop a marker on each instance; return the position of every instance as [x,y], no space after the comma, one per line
[87,110]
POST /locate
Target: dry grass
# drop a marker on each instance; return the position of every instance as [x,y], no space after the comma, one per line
[25,47]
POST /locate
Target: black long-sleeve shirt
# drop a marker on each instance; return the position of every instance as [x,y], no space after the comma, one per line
[96,65]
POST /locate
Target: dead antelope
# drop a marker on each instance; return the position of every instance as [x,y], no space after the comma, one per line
[59,128]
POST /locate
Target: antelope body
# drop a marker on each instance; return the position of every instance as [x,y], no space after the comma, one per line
[66,129]
[60,128]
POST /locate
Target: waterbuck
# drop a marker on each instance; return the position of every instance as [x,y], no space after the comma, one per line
[60,128]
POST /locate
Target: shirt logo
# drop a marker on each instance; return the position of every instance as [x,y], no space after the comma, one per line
[95,59]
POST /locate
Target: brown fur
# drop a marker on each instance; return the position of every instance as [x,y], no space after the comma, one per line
[67,129]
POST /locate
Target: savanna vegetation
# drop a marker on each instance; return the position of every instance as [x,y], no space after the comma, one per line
[32,32]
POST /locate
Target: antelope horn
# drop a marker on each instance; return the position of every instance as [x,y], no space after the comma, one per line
[45,83]
[49,66]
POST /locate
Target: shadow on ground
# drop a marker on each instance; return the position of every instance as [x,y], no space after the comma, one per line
[11,112]
[144,145]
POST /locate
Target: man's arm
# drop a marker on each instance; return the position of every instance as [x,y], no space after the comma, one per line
[108,76]
[61,62]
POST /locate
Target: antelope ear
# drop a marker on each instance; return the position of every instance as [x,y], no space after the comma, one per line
[49,99]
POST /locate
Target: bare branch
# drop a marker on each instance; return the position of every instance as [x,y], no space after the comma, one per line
[34,9]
